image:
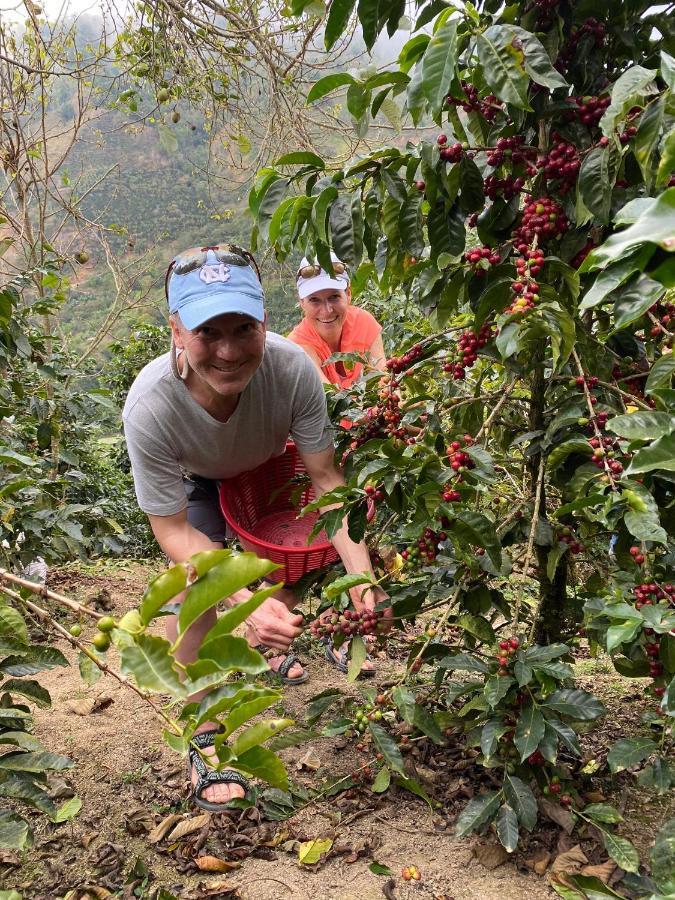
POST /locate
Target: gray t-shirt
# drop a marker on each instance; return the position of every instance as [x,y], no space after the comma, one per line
[168,432]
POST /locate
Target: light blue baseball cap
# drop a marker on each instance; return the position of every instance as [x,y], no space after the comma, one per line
[210,282]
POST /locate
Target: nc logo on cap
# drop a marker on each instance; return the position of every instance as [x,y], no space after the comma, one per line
[212,272]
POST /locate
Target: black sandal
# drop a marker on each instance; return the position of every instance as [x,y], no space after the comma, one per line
[285,667]
[208,777]
[339,659]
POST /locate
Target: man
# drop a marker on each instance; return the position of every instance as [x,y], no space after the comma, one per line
[224,400]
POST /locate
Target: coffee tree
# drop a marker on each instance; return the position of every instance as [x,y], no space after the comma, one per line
[521,444]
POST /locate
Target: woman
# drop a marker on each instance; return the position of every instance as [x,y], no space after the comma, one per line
[332,325]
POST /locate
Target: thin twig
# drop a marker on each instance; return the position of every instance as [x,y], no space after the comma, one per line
[530,540]
[43,591]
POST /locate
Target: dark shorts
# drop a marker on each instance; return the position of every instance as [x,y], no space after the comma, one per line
[203,510]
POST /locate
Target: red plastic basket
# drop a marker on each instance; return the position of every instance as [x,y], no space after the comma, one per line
[258,507]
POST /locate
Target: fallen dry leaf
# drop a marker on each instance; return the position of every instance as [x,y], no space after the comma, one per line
[568,863]
[213,864]
[603,871]
[159,831]
[89,705]
[138,820]
[9,858]
[88,837]
[220,889]
[594,797]
[188,826]
[309,761]
[557,814]
[490,855]
[539,861]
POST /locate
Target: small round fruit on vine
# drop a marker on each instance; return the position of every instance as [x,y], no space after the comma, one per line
[162,95]
[101,641]
[420,185]
[76,630]
[175,117]
[106,624]
[81,257]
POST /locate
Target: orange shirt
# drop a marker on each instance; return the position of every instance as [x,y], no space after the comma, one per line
[359,330]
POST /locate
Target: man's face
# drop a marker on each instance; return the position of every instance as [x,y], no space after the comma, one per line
[326,310]
[224,353]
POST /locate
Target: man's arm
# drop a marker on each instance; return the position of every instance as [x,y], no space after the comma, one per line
[177,538]
[272,623]
[325,476]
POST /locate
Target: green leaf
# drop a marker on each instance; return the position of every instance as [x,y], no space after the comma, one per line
[668,75]
[20,739]
[89,672]
[642,425]
[38,761]
[262,763]
[477,529]
[661,373]
[496,688]
[490,733]
[537,61]
[13,624]
[345,583]
[257,734]
[507,828]
[235,572]
[425,722]
[566,734]
[658,455]
[378,869]
[503,65]
[647,136]
[622,851]
[15,834]
[310,852]
[472,196]
[439,65]
[622,634]
[387,746]
[22,786]
[162,589]
[382,781]
[628,752]
[633,299]
[318,705]
[662,858]
[522,800]
[301,158]
[578,705]
[529,730]
[233,654]
[151,664]
[614,276]
[594,183]
[559,454]
[31,689]
[68,810]
[603,812]
[414,787]
[347,229]
[246,711]
[369,17]
[357,657]
[234,617]
[626,91]
[654,225]
[479,811]
[405,702]
[31,660]
[328,84]
[667,163]
[410,224]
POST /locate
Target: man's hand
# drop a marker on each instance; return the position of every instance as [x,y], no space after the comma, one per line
[369,598]
[274,625]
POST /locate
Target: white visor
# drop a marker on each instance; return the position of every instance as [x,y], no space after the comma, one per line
[321,282]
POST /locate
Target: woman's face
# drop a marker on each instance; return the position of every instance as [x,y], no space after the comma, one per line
[327,310]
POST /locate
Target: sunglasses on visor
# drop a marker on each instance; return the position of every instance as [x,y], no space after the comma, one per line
[230,254]
[314,269]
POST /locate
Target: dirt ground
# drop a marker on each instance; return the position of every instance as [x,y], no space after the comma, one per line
[129,781]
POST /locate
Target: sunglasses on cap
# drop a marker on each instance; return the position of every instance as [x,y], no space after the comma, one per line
[312,270]
[231,254]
